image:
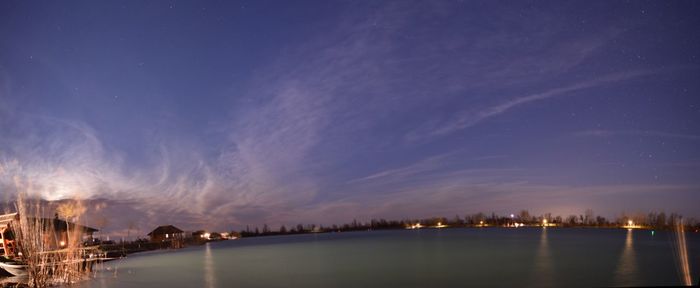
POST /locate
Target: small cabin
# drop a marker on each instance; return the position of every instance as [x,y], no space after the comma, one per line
[167,234]
[56,233]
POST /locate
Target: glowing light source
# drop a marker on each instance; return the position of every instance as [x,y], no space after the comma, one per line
[631,225]
[415,226]
[62,243]
[544,222]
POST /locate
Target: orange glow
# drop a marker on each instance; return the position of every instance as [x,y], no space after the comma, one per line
[631,225]
[416,226]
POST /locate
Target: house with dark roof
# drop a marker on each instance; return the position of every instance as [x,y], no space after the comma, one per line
[56,233]
[167,234]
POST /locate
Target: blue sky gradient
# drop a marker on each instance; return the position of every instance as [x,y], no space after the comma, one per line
[226,113]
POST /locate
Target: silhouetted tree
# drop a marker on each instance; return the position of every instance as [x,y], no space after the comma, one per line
[588,218]
[601,221]
[660,221]
[524,216]
[457,220]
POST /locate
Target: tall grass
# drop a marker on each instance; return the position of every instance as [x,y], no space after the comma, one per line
[52,256]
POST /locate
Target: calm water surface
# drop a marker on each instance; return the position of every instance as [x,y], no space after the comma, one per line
[415,258]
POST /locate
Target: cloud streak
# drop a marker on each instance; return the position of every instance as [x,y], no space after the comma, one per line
[636,133]
[471,118]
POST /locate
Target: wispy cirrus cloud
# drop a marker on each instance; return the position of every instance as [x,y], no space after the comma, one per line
[56,159]
[636,133]
[473,117]
[265,167]
[422,166]
[270,162]
[315,109]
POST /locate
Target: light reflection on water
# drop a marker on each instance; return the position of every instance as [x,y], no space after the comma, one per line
[626,272]
[209,274]
[543,274]
[496,257]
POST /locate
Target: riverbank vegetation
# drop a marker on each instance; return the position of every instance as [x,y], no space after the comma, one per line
[651,220]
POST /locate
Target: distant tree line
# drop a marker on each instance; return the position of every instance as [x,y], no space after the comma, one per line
[652,220]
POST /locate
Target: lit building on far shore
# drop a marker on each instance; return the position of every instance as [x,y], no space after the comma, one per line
[631,225]
[168,235]
[547,223]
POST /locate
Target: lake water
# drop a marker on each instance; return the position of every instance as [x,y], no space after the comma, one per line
[495,257]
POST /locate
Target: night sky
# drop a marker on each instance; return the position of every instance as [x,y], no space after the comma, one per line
[221,114]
